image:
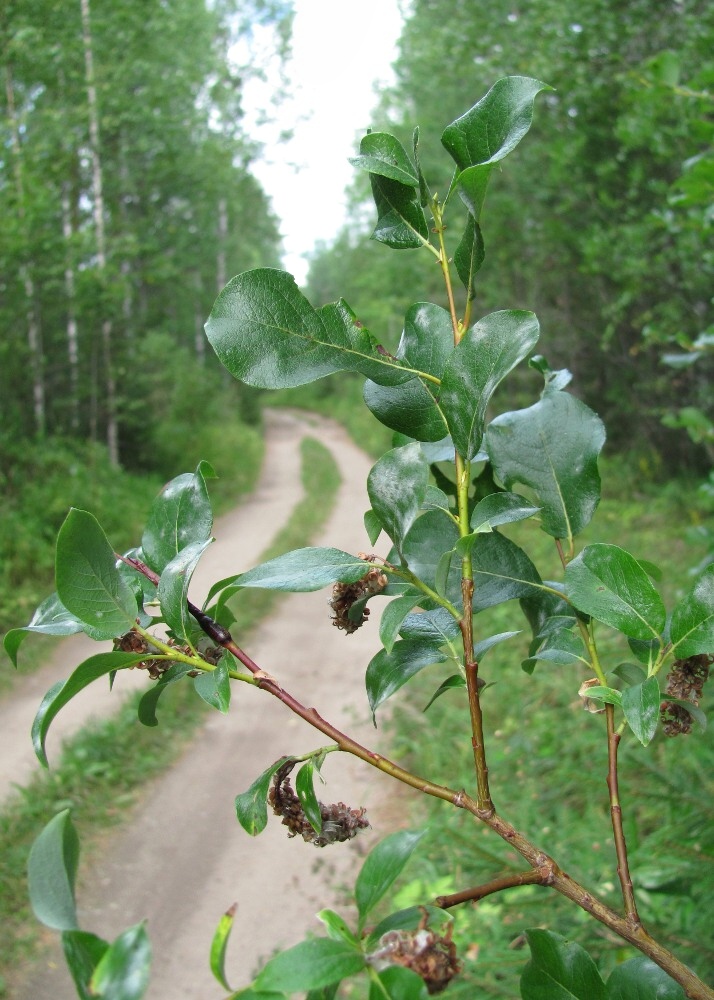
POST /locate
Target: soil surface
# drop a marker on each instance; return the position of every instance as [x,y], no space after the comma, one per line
[182,859]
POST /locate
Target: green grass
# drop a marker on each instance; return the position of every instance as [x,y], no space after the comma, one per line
[548,762]
[102,769]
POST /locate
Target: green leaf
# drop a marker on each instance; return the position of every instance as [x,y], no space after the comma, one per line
[482,647]
[552,448]
[611,696]
[180,515]
[692,626]
[52,872]
[305,570]
[502,572]
[640,703]
[214,686]
[488,132]
[266,333]
[608,583]
[435,499]
[50,618]
[427,540]
[305,789]
[387,672]
[500,508]
[559,970]
[396,486]
[401,223]
[455,681]
[337,927]
[372,525]
[381,153]
[123,970]
[562,647]
[470,255]
[173,589]
[146,709]
[482,359]
[251,805]
[411,408]
[437,625]
[219,943]
[398,983]
[83,952]
[310,965]
[393,616]
[382,866]
[630,673]
[63,691]
[640,979]
[88,582]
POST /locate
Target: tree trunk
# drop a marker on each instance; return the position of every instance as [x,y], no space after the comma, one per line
[98,213]
[34,339]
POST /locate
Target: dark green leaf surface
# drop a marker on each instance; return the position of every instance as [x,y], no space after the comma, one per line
[52,872]
[455,681]
[387,672]
[401,223]
[488,132]
[381,153]
[266,333]
[382,866]
[396,486]
[393,616]
[551,447]
[251,805]
[219,944]
[438,625]
[63,691]
[502,571]
[640,979]
[50,618]
[410,408]
[640,703]
[304,570]
[608,583]
[692,627]
[88,582]
[146,710]
[173,589]
[470,255]
[429,538]
[501,508]
[83,952]
[123,971]
[305,789]
[180,515]
[214,686]
[310,965]
[559,970]
[482,359]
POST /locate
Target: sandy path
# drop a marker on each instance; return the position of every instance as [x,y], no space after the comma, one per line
[184,859]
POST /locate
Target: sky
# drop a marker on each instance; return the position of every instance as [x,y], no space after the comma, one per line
[342,51]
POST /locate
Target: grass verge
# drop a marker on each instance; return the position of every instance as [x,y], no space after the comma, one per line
[103,768]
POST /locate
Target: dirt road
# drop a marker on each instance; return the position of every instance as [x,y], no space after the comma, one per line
[183,859]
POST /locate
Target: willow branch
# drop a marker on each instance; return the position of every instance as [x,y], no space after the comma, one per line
[534,876]
[623,868]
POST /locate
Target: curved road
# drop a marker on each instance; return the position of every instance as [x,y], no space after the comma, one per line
[182,859]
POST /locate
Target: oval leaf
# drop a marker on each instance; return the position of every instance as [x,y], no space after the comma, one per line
[214,686]
[640,703]
[482,359]
[606,582]
[383,154]
[305,570]
[310,965]
[387,672]
[83,952]
[640,979]
[251,805]
[382,866]
[552,448]
[89,584]
[397,486]
[50,618]
[180,514]
[52,872]
[173,589]
[559,970]
[123,970]
[501,508]
[692,627]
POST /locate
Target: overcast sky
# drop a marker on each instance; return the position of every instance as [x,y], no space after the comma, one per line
[342,50]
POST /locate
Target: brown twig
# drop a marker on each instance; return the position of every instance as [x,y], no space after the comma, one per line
[534,876]
[623,868]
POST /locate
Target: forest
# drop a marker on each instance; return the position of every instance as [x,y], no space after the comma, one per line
[130,201]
